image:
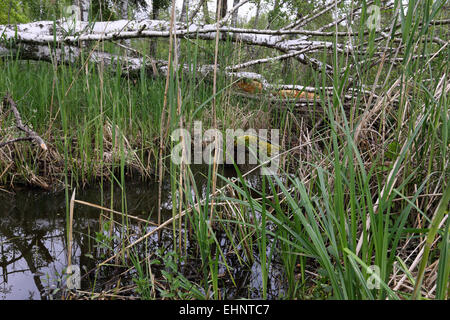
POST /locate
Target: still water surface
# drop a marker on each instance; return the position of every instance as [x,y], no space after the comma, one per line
[33,237]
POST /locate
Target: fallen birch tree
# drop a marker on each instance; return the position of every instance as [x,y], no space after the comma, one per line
[60,42]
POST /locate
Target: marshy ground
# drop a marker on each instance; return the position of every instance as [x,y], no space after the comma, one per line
[358,207]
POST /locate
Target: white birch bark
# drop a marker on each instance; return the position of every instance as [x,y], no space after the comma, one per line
[84,6]
[41,32]
[124,16]
[184,9]
[234,16]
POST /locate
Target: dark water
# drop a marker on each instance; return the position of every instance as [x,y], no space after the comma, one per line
[33,235]
[33,239]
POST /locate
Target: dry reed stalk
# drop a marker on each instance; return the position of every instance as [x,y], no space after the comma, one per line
[163,118]
[182,138]
[113,211]
[214,172]
[438,93]
[70,237]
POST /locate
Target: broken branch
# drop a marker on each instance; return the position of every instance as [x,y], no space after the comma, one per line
[31,135]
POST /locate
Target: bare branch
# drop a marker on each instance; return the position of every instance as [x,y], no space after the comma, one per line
[230,13]
[310,17]
[31,135]
[271,59]
[196,10]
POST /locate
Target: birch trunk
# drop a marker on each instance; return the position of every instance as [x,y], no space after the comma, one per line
[154,42]
[183,18]
[124,16]
[223,5]
[234,16]
[258,10]
[84,6]
[184,9]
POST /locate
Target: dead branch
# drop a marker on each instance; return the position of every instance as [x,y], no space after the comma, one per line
[30,134]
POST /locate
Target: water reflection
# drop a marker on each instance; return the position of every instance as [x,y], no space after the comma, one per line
[33,236]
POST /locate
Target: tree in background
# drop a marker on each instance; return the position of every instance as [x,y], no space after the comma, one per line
[12,12]
[223,4]
[184,10]
[19,11]
[84,6]
[235,14]
[206,12]
[157,5]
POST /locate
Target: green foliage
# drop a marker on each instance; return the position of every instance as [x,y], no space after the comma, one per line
[104,241]
[45,9]
[12,11]
[307,222]
[23,11]
[177,285]
[161,4]
[99,11]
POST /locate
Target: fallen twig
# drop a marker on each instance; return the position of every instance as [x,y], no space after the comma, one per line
[31,135]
